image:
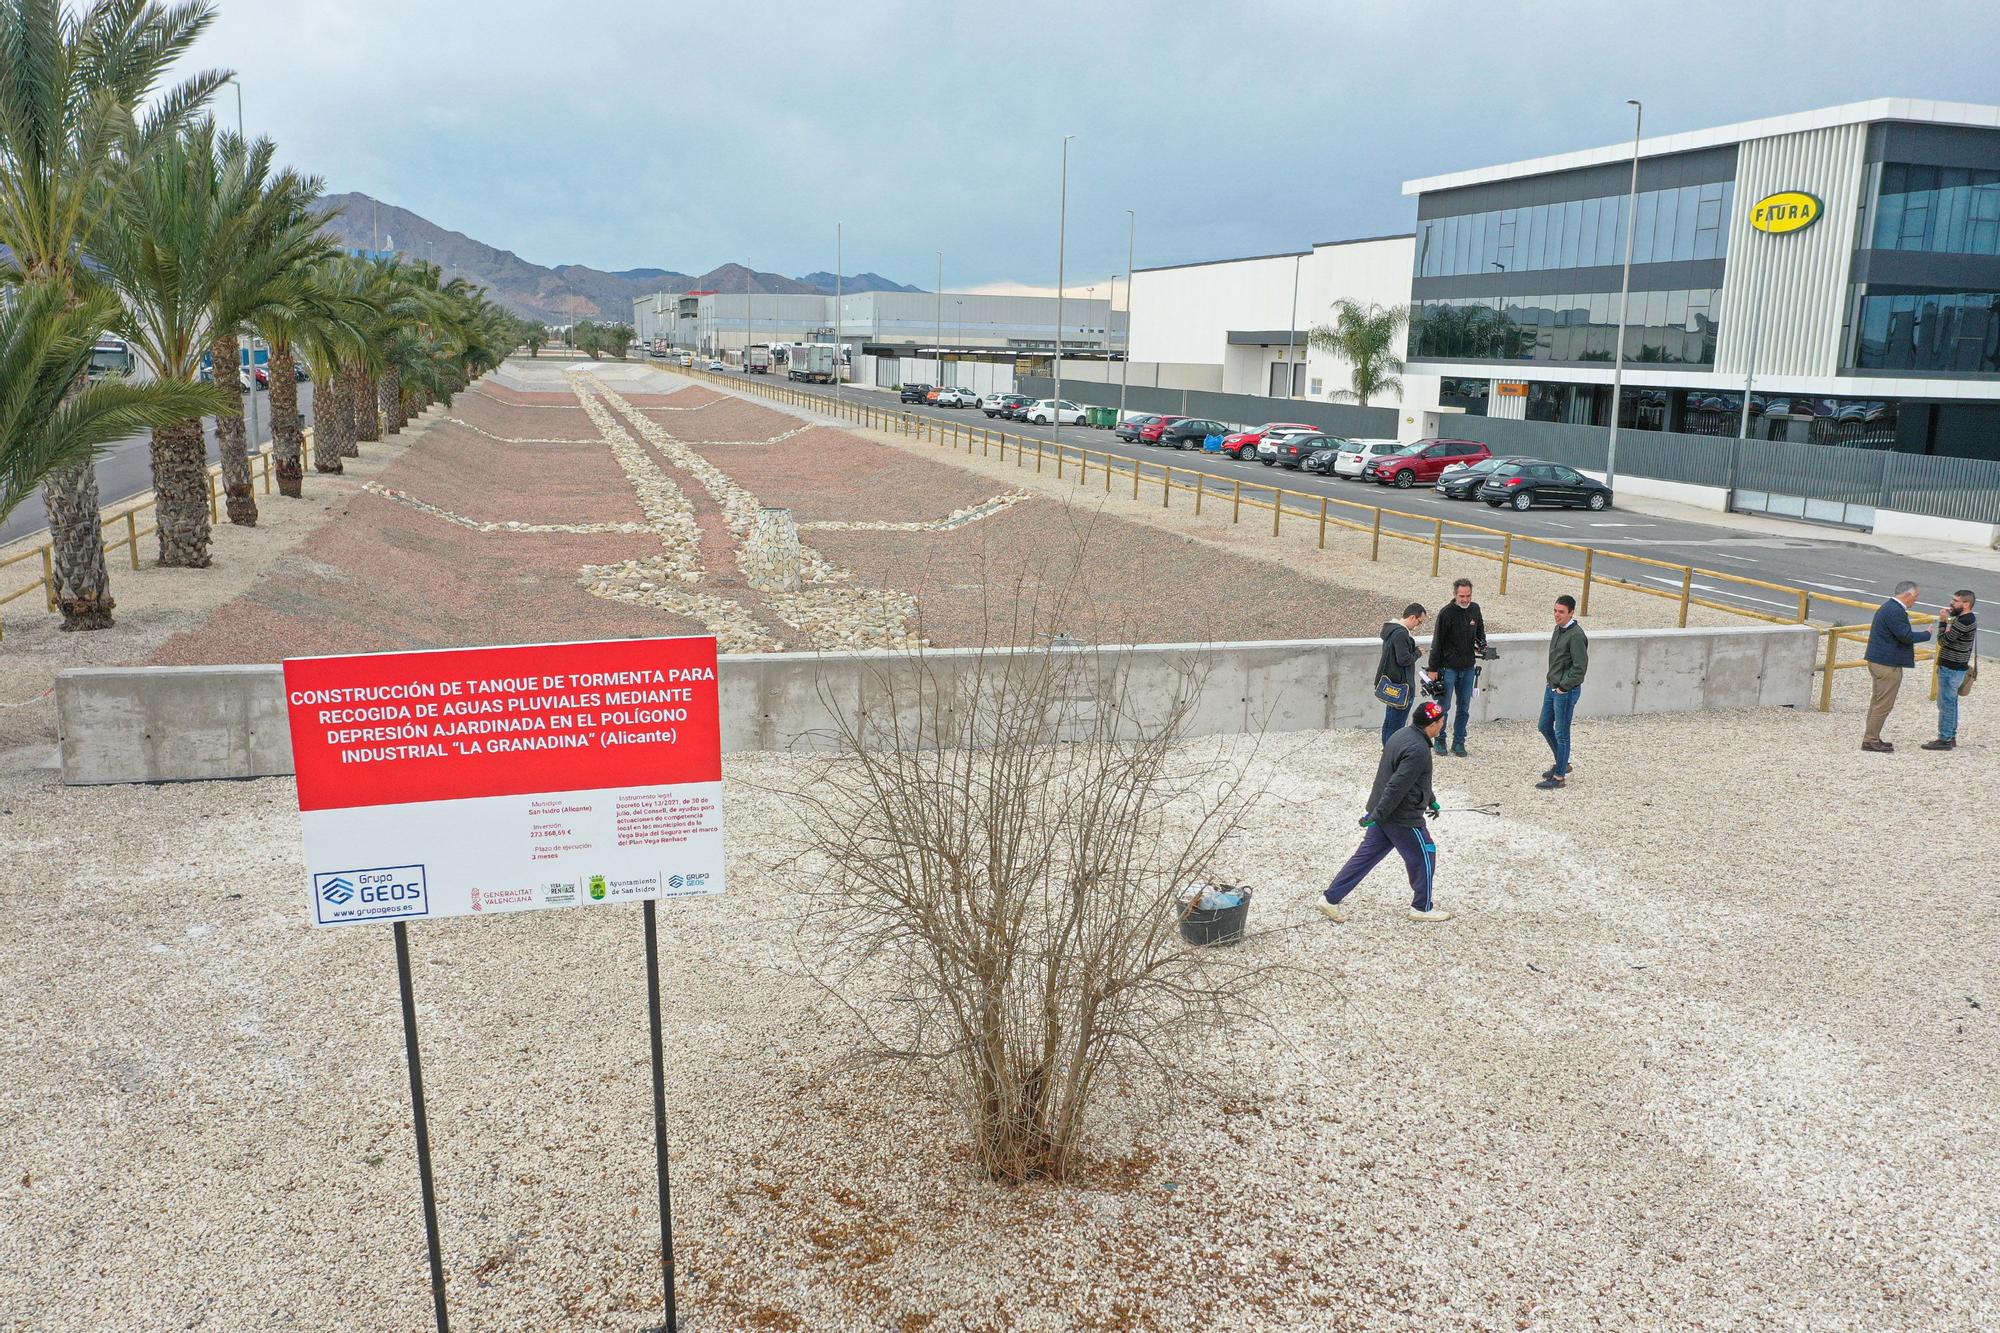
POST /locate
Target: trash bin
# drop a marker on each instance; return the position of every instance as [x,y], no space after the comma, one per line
[1222,925]
[1104,418]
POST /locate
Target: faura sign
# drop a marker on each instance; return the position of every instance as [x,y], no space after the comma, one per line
[1788,210]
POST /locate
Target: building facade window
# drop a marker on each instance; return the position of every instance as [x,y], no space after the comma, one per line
[1688,222]
[1940,210]
[1929,331]
[1662,328]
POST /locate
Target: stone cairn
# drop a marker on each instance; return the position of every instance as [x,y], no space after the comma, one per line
[772,555]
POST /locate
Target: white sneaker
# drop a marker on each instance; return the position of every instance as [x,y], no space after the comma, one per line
[1435,914]
[1332,913]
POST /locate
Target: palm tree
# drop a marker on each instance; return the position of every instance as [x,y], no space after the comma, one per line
[46,421]
[536,337]
[1364,337]
[71,88]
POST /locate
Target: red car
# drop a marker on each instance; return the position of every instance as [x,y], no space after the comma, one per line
[1423,461]
[1150,432]
[1246,442]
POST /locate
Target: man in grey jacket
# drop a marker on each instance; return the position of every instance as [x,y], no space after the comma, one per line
[1395,819]
[1569,660]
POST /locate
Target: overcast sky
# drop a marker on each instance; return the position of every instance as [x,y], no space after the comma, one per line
[622,133]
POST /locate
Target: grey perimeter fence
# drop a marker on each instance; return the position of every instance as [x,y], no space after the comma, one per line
[1838,483]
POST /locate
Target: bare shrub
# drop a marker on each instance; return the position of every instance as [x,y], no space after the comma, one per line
[993,850]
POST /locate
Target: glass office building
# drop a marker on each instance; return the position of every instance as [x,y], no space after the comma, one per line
[1877,325]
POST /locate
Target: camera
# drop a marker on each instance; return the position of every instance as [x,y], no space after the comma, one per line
[1434,688]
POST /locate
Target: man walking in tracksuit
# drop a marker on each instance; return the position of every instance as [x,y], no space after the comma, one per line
[1395,819]
[1456,640]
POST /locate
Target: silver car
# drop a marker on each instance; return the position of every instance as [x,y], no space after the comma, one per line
[1360,454]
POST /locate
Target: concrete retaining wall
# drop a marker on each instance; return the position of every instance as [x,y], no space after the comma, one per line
[176,724]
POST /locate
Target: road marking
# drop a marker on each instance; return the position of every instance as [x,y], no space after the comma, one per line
[1830,587]
[1624,525]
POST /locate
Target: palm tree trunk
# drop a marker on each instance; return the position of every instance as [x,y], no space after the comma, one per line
[389,393]
[76,531]
[287,440]
[367,418]
[350,411]
[225,353]
[180,483]
[328,420]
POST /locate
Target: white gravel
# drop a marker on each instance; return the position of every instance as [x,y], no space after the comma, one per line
[1709,1045]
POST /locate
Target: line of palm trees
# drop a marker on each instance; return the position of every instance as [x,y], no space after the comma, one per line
[124,208]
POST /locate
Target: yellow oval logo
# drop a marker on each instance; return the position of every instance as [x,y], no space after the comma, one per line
[1788,210]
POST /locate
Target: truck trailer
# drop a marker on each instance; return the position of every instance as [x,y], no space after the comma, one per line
[757,360]
[815,362]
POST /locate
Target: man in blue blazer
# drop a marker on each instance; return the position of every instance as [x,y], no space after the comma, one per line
[1890,644]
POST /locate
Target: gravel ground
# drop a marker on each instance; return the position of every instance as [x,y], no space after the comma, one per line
[1615,1092]
[1620,1090]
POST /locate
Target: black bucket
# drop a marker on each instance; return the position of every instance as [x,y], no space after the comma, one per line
[1224,925]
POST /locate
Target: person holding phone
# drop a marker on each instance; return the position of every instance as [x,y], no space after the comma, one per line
[1957,658]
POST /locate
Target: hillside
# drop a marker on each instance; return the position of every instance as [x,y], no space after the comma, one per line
[559,294]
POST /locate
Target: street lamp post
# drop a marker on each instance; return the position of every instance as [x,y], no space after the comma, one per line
[1292,334]
[839,259]
[256,424]
[1125,371]
[1062,240]
[961,333]
[940,317]
[1624,297]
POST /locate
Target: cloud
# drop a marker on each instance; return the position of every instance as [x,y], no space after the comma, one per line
[685,136]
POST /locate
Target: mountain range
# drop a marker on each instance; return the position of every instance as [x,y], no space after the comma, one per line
[560,294]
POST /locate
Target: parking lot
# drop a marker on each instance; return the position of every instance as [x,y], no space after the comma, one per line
[1837,564]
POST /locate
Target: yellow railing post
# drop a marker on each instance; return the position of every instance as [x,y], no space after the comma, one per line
[1687,588]
[49,573]
[1506,561]
[1437,547]
[132,535]
[1059,462]
[1375,549]
[1199,479]
[1236,511]
[1166,486]
[1083,468]
[1038,455]
[1589,559]
[1322,522]
[1805,606]
[1135,479]
[1826,678]
[1277,509]
[267,469]
[1108,470]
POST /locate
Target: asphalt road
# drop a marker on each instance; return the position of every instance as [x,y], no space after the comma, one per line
[1832,565]
[126,468]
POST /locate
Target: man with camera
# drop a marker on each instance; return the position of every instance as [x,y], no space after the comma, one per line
[1395,819]
[1958,665]
[1458,641]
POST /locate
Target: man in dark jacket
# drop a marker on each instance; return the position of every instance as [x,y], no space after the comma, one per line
[1456,640]
[1890,653]
[1395,819]
[1958,645]
[1398,663]
[1569,661]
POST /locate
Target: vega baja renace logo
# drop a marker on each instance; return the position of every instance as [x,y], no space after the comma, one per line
[381,893]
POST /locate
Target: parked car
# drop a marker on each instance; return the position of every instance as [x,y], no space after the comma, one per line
[1150,432]
[1018,410]
[1047,410]
[1423,461]
[1322,460]
[263,374]
[1355,458]
[957,397]
[1267,448]
[1188,433]
[1462,481]
[1128,429]
[1235,445]
[916,393]
[1296,449]
[1526,483]
[998,404]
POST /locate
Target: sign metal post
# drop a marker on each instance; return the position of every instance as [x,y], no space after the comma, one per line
[423,1126]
